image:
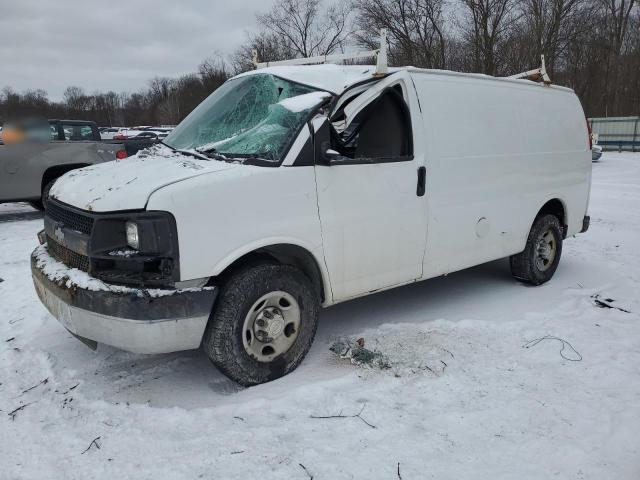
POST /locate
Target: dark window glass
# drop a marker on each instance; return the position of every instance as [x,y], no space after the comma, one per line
[77,133]
[380,130]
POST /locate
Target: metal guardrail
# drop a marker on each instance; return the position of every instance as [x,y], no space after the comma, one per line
[617,133]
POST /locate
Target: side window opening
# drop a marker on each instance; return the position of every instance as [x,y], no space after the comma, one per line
[381,130]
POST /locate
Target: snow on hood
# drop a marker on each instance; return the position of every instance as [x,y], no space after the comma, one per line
[128,184]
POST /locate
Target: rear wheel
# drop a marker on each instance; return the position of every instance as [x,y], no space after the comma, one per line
[539,260]
[263,323]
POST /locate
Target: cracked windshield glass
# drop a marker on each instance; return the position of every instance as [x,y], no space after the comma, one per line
[255,116]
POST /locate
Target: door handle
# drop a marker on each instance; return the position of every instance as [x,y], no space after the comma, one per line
[422,181]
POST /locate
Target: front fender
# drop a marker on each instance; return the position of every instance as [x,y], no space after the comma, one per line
[220,218]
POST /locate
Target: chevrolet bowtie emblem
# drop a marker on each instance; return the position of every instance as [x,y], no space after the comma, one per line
[58,233]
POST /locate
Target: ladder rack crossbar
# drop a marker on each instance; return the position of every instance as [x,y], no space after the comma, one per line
[379,54]
[319,59]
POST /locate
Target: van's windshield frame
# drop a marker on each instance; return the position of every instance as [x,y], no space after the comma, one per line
[182,137]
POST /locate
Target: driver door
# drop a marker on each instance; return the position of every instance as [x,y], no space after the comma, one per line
[372,208]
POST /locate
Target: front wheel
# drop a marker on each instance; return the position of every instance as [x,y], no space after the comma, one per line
[539,260]
[263,323]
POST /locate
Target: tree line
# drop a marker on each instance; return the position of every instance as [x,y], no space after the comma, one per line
[592,46]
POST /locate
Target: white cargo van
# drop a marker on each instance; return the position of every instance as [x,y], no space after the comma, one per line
[297,187]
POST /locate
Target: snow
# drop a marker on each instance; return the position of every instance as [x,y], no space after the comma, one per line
[127,184]
[73,278]
[332,78]
[300,103]
[496,410]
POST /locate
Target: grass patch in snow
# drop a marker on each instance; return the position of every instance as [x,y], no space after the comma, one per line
[399,350]
[356,352]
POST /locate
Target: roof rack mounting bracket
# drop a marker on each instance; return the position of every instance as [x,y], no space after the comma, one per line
[537,74]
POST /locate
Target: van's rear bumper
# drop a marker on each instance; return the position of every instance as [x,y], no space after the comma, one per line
[136,320]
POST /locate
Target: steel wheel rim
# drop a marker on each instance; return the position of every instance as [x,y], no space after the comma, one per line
[271,326]
[546,250]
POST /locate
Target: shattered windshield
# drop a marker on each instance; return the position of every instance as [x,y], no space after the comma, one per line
[255,116]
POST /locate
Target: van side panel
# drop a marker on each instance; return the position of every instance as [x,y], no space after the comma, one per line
[496,153]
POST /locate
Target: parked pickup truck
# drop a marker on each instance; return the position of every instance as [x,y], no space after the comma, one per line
[292,188]
[39,152]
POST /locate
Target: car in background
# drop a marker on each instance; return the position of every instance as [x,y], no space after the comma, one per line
[147,134]
[136,140]
[107,133]
[126,133]
[160,133]
[142,132]
[596,153]
[37,152]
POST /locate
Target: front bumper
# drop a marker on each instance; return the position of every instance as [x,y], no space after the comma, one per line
[136,320]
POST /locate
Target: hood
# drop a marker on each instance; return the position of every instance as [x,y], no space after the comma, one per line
[128,184]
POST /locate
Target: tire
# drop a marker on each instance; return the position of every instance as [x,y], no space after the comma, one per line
[238,343]
[539,260]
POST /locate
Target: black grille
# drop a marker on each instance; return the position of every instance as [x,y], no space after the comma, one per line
[69,218]
[66,256]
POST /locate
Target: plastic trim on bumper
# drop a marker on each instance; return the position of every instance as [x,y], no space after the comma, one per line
[131,320]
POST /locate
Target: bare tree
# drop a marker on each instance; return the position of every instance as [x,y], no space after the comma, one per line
[548,26]
[213,72]
[269,47]
[486,26]
[617,14]
[75,99]
[306,27]
[415,29]
[592,46]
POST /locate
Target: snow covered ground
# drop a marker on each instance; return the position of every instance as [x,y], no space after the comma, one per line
[464,399]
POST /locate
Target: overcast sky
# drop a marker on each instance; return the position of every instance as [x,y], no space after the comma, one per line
[113,44]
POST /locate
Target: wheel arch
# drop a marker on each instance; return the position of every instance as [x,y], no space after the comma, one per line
[57,171]
[555,206]
[282,253]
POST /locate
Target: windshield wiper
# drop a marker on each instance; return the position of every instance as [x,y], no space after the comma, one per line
[191,153]
[212,153]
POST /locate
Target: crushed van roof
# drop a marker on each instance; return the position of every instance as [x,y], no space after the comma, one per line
[337,78]
[332,78]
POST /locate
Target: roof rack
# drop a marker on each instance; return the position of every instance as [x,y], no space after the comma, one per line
[380,54]
[537,74]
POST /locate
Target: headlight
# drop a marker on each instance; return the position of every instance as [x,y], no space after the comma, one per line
[153,237]
[132,235]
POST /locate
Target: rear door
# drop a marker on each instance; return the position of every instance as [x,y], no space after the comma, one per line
[372,212]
